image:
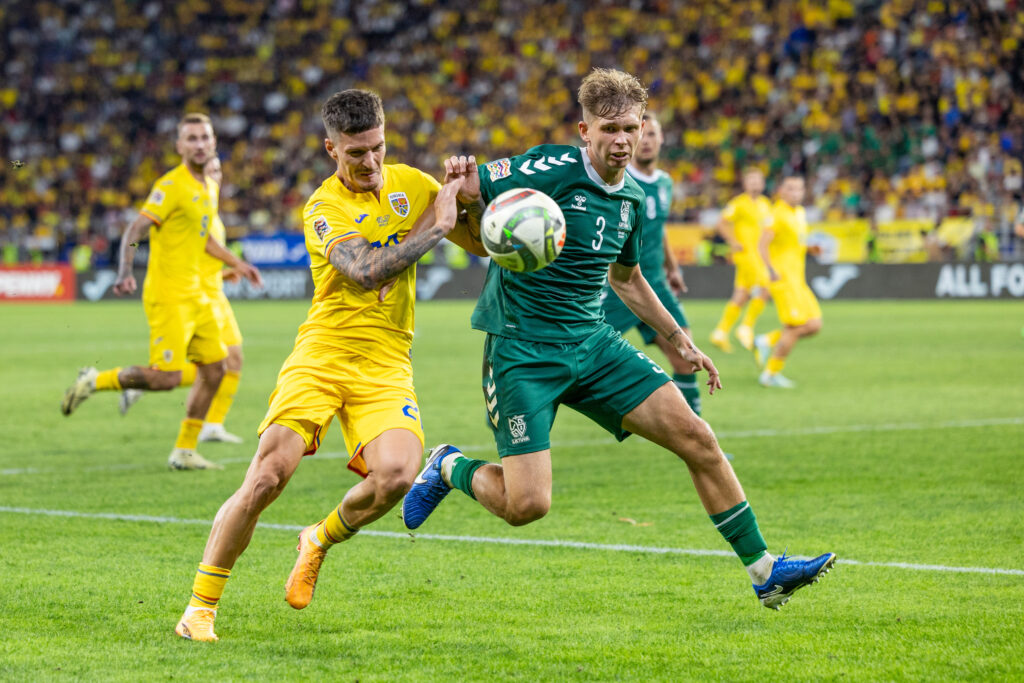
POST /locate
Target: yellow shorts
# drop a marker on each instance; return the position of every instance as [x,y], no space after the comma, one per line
[318,382]
[750,270]
[182,331]
[229,332]
[794,302]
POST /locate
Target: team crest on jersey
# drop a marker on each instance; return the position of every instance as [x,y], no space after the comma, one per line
[502,168]
[624,214]
[320,227]
[399,203]
[156,197]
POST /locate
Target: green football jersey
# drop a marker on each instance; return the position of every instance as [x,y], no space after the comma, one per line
[658,201]
[562,302]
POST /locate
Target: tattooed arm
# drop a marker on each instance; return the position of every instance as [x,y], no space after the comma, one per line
[370,267]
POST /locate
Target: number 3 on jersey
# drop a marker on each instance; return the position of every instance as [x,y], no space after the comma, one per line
[596,244]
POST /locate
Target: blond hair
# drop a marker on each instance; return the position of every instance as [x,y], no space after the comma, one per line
[608,93]
[194,118]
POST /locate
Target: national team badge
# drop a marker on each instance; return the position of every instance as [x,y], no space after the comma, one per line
[502,168]
[157,197]
[517,425]
[320,227]
[624,213]
[399,203]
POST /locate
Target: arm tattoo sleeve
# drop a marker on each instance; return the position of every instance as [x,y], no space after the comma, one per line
[371,266]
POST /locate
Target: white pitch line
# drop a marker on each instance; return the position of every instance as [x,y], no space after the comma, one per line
[489,448]
[579,545]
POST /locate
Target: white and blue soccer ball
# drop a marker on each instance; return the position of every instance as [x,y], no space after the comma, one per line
[523,230]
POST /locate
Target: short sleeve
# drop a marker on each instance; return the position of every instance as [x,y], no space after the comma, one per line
[507,174]
[729,212]
[160,203]
[326,227]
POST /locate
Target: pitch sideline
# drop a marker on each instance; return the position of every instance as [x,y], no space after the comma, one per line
[580,545]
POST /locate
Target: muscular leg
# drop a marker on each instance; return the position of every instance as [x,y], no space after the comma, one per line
[790,335]
[519,489]
[148,379]
[208,378]
[665,419]
[392,459]
[277,456]
[233,363]
[682,372]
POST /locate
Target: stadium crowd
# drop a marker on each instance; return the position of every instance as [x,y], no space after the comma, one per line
[891,109]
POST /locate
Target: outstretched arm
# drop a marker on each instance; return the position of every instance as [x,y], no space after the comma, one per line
[238,266]
[631,286]
[370,266]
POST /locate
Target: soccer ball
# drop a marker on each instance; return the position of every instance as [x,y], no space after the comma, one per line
[523,230]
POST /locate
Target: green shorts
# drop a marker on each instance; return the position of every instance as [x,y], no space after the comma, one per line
[618,315]
[524,382]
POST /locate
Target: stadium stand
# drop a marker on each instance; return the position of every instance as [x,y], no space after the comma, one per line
[894,110]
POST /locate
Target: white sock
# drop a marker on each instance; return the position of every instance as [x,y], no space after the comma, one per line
[447,463]
[312,537]
[761,570]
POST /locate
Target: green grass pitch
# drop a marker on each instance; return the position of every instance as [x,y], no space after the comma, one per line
[902,444]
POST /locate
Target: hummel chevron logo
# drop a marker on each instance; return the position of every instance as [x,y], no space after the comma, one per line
[540,165]
[490,404]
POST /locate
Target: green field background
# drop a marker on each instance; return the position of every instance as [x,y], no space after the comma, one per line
[903,443]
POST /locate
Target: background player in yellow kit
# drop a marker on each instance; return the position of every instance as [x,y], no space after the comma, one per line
[182,327]
[351,356]
[212,275]
[784,250]
[743,219]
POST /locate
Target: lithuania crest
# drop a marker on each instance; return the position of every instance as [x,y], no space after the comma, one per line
[399,203]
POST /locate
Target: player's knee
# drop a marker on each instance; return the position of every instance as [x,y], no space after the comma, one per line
[812,327]
[264,485]
[234,360]
[164,381]
[212,373]
[527,510]
[699,446]
[391,485]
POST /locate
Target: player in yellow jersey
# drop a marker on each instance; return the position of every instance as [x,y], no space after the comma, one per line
[743,219]
[784,250]
[366,226]
[212,275]
[182,327]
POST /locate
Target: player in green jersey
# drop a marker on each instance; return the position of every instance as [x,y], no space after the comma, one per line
[657,262]
[548,344]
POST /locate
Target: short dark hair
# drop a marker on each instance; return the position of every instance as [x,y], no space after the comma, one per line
[352,111]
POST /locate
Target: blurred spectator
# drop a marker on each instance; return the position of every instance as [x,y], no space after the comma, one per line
[902,109]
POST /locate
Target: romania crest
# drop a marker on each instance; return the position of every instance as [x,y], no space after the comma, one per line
[399,203]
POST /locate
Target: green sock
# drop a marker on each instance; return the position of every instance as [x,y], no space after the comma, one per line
[461,476]
[691,392]
[738,526]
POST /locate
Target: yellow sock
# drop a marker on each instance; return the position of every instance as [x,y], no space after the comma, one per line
[188,375]
[224,397]
[774,336]
[108,381]
[333,530]
[729,317]
[754,309]
[208,586]
[774,365]
[188,435]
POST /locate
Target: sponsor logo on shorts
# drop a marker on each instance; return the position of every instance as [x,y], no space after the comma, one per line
[502,168]
[399,203]
[321,228]
[517,426]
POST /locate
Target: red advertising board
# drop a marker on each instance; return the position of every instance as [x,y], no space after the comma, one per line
[37,283]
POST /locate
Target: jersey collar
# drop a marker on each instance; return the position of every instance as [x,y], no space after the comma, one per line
[592,172]
[643,177]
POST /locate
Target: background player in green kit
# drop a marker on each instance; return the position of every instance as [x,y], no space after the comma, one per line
[547,343]
[657,263]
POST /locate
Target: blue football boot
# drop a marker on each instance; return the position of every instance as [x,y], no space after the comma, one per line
[789,574]
[428,490]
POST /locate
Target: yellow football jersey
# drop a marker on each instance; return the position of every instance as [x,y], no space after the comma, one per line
[788,249]
[748,217]
[182,209]
[210,268]
[343,314]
